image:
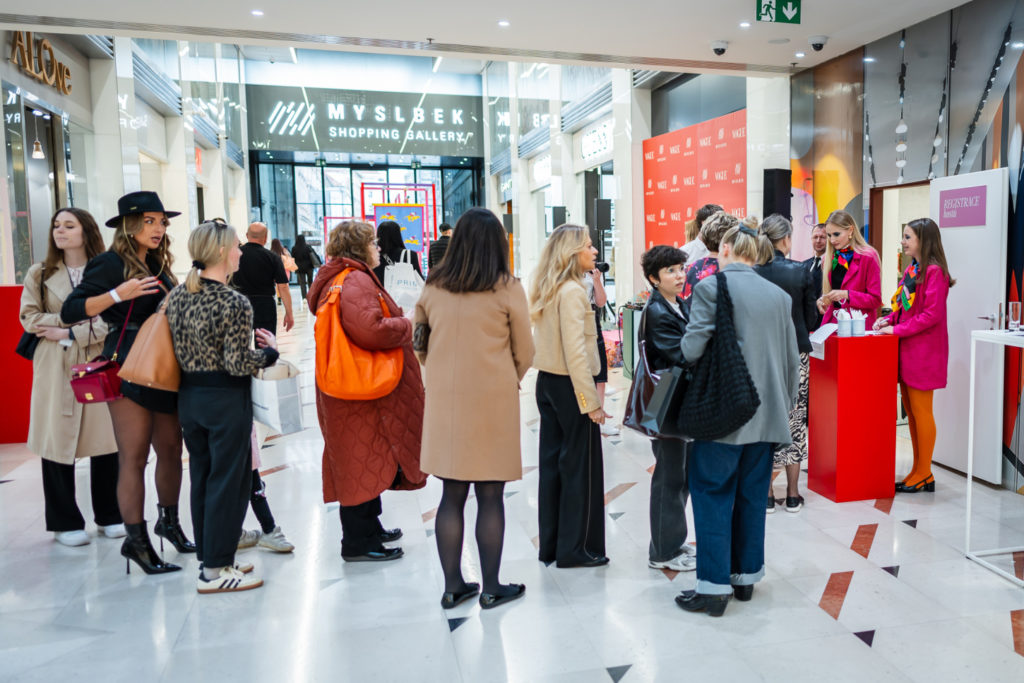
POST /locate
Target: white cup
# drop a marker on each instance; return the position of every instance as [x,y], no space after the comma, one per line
[845,328]
[857,328]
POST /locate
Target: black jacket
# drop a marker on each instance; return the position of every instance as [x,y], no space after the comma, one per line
[437,250]
[663,330]
[303,257]
[815,283]
[795,279]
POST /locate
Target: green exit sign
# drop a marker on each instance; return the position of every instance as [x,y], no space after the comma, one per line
[778,11]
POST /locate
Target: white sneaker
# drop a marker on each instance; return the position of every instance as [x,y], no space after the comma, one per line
[229,580]
[682,563]
[608,429]
[276,541]
[244,567]
[112,531]
[248,539]
[72,538]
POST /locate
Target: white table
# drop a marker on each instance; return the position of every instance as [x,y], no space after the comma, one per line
[1002,338]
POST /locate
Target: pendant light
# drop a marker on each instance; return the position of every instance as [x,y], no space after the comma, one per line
[37,147]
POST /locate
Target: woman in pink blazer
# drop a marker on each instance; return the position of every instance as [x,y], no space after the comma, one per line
[919,320]
[851,271]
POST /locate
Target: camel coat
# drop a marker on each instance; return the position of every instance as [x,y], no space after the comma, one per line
[60,428]
[480,347]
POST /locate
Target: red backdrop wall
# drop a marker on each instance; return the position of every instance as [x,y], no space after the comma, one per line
[687,168]
[17,392]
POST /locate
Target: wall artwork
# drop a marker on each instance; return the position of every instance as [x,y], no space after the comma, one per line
[410,217]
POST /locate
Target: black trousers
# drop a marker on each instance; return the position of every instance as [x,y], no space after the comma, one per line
[570,501]
[62,513]
[669,492]
[305,278]
[260,506]
[361,527]
[264,312]
[216,420]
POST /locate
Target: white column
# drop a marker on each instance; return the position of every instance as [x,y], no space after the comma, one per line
[631,108]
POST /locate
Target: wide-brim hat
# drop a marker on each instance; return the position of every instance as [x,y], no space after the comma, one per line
[139,202]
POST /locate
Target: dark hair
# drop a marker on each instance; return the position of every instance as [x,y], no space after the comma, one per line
[705,212]
[389,237]
[91,239]
[443,228]
[658,257]
[277,247]
[477,256]
[931,252]
[300,241]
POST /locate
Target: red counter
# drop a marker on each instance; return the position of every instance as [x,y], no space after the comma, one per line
[852,420]
[17,393]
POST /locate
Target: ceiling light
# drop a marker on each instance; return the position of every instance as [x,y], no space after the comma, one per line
[37,150]
[437,63]
[800,55]
[902,147]
[257,13]
[937,142]
[504,23]
[869,60]
[1018,45]
[901,127]
[744,24]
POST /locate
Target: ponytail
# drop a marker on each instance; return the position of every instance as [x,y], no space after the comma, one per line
[192,279]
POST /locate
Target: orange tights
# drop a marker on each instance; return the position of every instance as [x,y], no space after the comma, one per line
[918,405]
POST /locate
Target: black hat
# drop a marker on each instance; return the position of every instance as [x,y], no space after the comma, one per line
[139,202]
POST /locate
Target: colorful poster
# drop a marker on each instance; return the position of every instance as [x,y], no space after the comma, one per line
[410,218]
[687,168]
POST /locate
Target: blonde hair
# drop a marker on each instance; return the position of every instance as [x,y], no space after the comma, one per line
[715,227]
[208,245]
[776,228]
[559,263]
[351,239]
[692,230]
[125,246]
[747,245]
[842,219]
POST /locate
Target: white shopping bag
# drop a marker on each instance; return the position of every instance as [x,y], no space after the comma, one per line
[275,398]
[403,283]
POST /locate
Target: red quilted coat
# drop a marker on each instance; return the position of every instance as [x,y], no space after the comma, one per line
[370,446]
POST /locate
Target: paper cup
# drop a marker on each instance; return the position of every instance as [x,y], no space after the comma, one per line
[845,328]
[858,329]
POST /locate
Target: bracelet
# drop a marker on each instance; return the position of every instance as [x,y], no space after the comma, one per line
[114,296]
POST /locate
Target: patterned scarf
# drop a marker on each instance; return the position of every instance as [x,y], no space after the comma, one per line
[842,257]
[904,296]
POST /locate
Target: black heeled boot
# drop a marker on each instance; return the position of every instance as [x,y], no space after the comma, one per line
[168,526]
[137,548]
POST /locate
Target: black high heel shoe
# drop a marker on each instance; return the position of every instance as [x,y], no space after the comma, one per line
[137,548]
[168,526]
[927,485]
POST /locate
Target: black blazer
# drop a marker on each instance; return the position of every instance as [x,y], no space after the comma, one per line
[795,279]
[816,283]
[438,248]
[663,330]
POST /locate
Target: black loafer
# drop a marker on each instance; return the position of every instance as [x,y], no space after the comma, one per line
[743,593]
[449,600]
[592,562]
[692,601]
[490,601]
[389,535]
[382,555]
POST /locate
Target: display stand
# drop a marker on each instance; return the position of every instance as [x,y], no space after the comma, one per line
[18,379]
[851,425]
[1004,339]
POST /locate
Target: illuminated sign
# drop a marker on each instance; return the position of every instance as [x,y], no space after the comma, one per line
[37,59]
[597,141]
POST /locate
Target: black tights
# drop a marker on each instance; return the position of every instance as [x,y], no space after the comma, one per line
[490,532]
[135,428]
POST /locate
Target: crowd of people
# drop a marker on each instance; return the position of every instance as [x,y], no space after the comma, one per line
[436,390]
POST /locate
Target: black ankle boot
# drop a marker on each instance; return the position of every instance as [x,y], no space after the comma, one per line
[136,547]
[168,526]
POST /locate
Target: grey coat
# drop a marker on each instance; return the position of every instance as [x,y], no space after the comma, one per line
[767,340]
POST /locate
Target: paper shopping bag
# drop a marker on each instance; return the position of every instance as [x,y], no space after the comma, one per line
[275,398]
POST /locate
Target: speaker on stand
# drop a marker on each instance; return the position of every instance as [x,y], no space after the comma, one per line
[778,192]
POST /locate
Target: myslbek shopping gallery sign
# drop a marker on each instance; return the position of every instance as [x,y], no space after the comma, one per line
[311,119]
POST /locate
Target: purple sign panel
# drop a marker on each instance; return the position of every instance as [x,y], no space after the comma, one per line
[963,207]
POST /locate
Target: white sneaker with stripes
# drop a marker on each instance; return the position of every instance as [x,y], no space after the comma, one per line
[229,580]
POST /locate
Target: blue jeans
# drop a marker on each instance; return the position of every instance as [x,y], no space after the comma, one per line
[727,485]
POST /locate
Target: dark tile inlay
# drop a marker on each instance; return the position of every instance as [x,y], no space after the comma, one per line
[456,622]
[867,636]
[617,672]
[910,522]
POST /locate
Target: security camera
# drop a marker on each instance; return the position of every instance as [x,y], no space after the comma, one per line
[818,42]
[719,47]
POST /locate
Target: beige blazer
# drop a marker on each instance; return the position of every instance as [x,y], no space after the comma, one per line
[61,429]
[566,341]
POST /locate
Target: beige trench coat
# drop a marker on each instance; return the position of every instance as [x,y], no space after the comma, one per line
[60,428]
[480,347]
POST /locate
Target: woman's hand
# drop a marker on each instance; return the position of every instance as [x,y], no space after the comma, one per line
[823,305]
[879,324]
[53,333]
[598,416]
[136,287]
[265,339]
[888,329]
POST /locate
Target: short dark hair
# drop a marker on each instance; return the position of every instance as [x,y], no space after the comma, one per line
[705,212]
[658,257]
[443,228]
[477,256]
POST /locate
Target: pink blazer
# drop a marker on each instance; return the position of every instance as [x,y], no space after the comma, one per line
[864,283]
[924,340]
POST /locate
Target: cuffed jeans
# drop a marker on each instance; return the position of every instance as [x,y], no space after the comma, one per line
[727,485]
[668,499]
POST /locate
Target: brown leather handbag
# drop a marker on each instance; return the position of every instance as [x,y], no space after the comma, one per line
[151,361]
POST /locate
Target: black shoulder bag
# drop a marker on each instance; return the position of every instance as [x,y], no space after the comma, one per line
[721,396]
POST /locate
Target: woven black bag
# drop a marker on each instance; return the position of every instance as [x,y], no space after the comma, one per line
[721,396]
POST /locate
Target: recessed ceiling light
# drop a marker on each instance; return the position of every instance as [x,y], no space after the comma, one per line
[800,55]
[1018,45]
[869,60]
[778,41]
[744,24]
[504,23]
[257,13]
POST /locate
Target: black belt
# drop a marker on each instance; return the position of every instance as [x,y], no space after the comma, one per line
[215,379]
[130,327]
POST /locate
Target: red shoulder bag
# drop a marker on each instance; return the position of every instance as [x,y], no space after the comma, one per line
[97,380]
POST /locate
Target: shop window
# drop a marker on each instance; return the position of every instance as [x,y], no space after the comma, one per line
[14,138]
[458,193]
[361,177]
[309,199]
[277,200]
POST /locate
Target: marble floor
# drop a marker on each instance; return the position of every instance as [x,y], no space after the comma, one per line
[864,591]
